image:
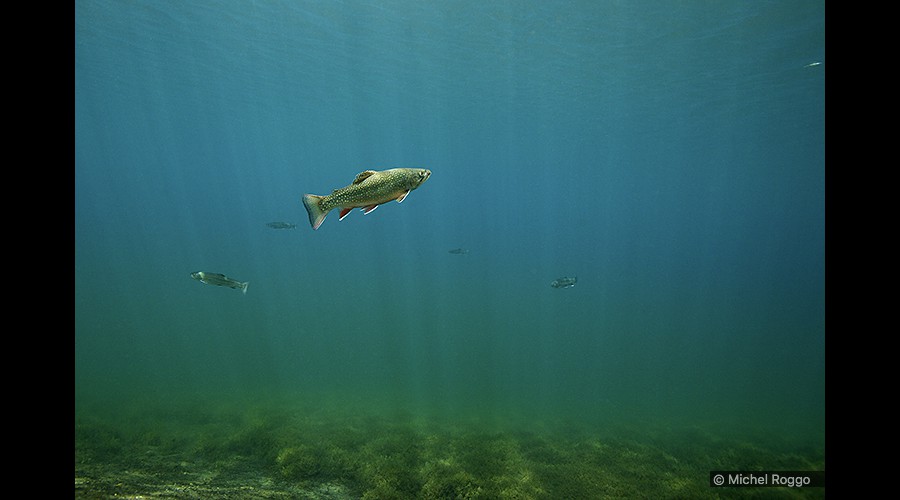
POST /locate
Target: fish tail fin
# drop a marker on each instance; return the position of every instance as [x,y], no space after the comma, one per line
[314,209]
[244,286]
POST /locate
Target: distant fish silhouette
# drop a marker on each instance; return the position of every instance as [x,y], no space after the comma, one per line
[564,282]
[281,225]
[459,251]
[220,280]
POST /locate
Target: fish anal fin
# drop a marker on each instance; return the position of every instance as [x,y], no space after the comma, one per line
[403,196]
[344,212]
[363,176]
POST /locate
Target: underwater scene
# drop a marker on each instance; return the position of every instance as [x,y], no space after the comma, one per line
[399,249]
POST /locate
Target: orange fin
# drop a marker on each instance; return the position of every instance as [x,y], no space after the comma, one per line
[344,212]
[369,208]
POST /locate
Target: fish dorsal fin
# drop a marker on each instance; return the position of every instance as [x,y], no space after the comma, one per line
[363,176]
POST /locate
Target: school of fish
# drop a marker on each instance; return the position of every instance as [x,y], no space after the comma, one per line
[369,189]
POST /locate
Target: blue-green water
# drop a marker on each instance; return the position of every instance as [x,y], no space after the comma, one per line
[668,154]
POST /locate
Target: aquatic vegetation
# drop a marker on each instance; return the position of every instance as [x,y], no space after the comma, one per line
[388,466]
[300,463]
[97,440]
[295,452]
[445,479]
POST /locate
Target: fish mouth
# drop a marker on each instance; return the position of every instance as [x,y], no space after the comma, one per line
[424,174]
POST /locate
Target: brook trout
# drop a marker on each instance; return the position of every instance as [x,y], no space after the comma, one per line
[368,190]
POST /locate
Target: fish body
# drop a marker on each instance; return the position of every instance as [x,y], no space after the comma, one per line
[220,280]
[564,282]
[459,251]
[370,189]
[281,225]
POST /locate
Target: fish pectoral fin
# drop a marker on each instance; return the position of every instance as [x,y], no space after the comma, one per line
[369,208]
[363,176]
[344,212]
[403,196]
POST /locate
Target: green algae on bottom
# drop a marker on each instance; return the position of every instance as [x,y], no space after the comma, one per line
[294,453]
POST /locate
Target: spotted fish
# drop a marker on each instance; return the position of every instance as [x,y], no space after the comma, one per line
[370,189]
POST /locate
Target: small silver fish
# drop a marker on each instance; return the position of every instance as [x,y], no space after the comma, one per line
[281,225]
[564,282]
[368,190]
[220,280]
[459,251]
